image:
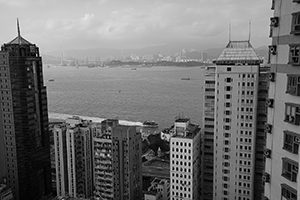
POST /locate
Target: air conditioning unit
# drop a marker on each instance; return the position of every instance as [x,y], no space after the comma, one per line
[266,177]
[273,49]
[268,128]
[274,21]
[271,76]
[295,168]
[270,103]
[297,139]
[291,119]
[267,153]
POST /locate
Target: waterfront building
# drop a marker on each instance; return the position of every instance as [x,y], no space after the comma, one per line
[207,157]
[127,163]
[281,177]
[185,160]
[24,135]
[73,154]
[236,86]
[102,160]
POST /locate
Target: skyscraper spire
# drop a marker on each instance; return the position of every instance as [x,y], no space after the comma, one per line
[18,27]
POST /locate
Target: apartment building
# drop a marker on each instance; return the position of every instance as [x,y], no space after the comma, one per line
[236,83]
[127,163]
[102,153]
[282,129]
[185,160]
[73,152]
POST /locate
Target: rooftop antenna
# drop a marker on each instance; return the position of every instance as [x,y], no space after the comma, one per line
[229,32]
[249,30]
[18,27]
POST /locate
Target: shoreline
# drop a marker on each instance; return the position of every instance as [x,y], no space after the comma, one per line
[57,117]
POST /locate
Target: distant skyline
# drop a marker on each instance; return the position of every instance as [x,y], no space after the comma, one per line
[124,24]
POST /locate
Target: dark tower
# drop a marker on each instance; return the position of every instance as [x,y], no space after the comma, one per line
[25,155]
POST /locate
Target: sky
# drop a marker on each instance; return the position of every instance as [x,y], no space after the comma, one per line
[123,24]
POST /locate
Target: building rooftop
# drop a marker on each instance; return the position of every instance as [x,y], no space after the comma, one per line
[190,132]
[19,39]
[238,52]
[182,119]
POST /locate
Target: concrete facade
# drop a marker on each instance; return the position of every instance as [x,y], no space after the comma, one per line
[282,128]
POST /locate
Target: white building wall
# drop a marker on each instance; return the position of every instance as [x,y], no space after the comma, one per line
[59,161]
[71,161]
[185,167]
[282,38]
[234,143]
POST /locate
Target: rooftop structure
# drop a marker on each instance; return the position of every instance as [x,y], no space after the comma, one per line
[238,52]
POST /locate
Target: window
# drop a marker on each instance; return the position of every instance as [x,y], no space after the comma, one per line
[228,96]
[289,169]
[293,84]
[292,113]
[228,88]
[294,54]
[227,112]
[229,69]
[227,105]
[295,23]
[228,80]
[291,141]
[288,192]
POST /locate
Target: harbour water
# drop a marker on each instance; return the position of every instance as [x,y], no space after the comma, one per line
[152,93]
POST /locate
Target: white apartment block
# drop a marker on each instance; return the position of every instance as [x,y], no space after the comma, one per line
[236,79]
[73,153]
[282,180]
[185,161]
[59,133]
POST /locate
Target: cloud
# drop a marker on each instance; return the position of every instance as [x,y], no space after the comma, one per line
[142,22]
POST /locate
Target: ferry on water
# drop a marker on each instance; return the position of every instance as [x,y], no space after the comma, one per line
[150,124]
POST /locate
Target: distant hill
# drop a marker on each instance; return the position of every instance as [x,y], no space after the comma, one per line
[103,53]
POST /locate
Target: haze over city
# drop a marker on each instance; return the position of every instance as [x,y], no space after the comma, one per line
[75,24]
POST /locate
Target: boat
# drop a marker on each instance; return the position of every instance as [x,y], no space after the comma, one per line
[150,124]
[133,68]
[50,80]
[186,78]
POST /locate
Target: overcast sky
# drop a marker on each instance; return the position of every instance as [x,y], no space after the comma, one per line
[82,24]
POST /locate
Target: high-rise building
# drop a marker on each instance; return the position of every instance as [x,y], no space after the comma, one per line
[127,163]
[61,166]
[207,157]
[185,160]
[25,155]
[236,83]
[102,155]
[282,180]
[73,154]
